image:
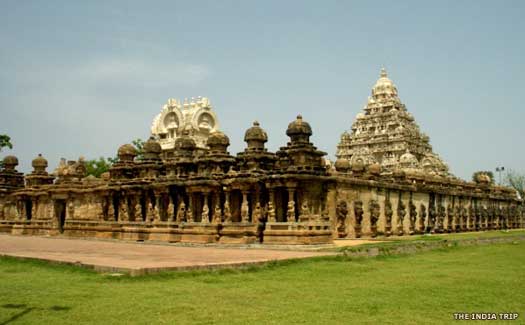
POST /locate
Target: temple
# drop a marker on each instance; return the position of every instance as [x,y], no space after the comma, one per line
[186,186]
[387,134]
[195,116]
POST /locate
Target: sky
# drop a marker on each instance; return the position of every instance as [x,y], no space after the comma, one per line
[81,78]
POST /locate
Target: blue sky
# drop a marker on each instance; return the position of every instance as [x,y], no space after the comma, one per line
[83,77]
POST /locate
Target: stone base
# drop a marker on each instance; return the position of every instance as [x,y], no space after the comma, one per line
[6,226]
[297,233]
[96,229]
[238,233]
[196,232]
[32,228]
[167,232]
[373,231]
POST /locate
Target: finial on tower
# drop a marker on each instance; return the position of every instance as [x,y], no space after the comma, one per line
[383,72]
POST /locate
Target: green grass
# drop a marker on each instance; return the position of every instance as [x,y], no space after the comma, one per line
[468,235]
[389,243]
[424,288]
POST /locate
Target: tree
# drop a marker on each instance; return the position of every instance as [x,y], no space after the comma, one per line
[98,167]
[516,181]
[486,172]
[139,145]
[5,142]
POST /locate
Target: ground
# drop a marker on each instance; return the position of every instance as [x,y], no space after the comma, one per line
[411,289]
[137,258]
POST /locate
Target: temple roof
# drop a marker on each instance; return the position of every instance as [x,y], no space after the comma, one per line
[386,133]
[196,116]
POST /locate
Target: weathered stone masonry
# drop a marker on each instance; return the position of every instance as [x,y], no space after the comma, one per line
[199,193]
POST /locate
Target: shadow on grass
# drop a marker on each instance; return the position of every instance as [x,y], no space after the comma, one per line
[24,310]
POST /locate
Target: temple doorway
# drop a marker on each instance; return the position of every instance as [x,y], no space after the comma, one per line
[60,214]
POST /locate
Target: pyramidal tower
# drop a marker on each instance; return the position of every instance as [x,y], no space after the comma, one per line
[386,133]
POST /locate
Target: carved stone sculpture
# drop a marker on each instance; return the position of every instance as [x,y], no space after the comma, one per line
[304,209]
[217,216]
[422,217]
[181,213]
[401,212]
[450,217]
[290,213]
[171,210]
[374,216]
[123,211]
[227,212]
[341,213]
[389,212]
[137,211]
[205,216]
[440,217]
[245,211]
[257,213]
[412,215]
[358,213]
[271,212]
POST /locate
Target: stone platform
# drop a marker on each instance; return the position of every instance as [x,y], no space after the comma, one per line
[140,258]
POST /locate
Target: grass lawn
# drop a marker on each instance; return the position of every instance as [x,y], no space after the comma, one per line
[468,235]
[424,288]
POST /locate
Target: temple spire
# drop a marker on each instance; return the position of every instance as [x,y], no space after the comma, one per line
[383,73]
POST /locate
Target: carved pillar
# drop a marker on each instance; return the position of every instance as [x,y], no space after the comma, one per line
[96,207]
[153,209]
[422,218]
[34,208]
[157,208]
[358,213]
[123,209]
[440,217]
[412,216]
[290,213]
[189,210]
[139,210]
[227,209]
[205,215]
[70,214]
[20,210]
[217,214]
[498,218]
[472,216]
[389,212]
[170,213]
[341,212]
[245,217]
[431,216]
[374,216]
[255,201]
[181,212]
[401,212]
[450,216]
[271,206]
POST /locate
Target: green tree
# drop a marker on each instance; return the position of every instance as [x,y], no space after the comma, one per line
[486,172]
[97,167]
[139,145]
[5,141]
[516,181]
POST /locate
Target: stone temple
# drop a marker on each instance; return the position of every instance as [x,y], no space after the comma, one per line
[195,117]
[187,187]
[386,133]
